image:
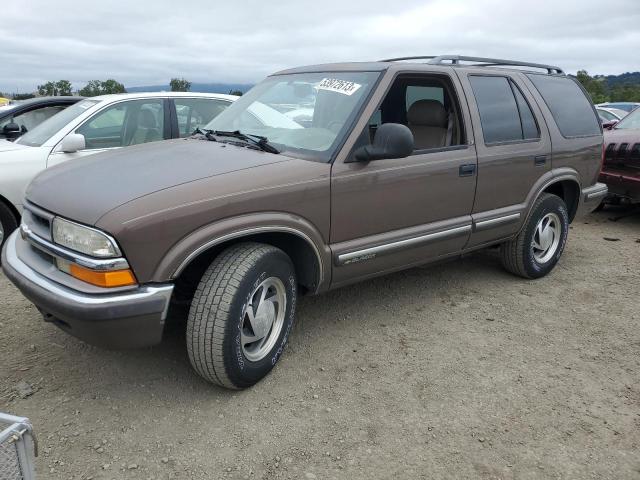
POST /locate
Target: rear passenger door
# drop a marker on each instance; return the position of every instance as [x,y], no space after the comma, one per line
[192,113]
[514,151]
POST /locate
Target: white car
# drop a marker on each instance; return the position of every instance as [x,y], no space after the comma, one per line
[610,114]
[107,122]
[94,125]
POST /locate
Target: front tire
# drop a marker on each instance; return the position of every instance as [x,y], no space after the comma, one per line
[538,247]
[241,315]
[8,223]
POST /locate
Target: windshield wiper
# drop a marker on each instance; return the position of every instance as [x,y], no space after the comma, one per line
[207,133]
[259,141]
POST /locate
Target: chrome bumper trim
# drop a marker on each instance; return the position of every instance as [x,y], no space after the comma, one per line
[599,190]
[83,299]
[61,252]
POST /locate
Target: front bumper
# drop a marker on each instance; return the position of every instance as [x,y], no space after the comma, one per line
[622,182]
[130,319]
[591,197]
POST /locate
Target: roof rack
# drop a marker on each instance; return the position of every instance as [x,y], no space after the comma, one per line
[479,62]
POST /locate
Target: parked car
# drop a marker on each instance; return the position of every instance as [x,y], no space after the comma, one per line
[17,119]
[626,106]
[243,218]
[621,163]
[610,116]
[93,125]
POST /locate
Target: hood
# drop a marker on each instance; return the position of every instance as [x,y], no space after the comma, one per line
[86,188]
[7,146]
[630,136]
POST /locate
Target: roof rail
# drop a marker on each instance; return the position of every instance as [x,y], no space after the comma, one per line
[479,62]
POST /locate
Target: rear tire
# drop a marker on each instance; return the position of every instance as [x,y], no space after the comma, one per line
[8,223]
[241,315]
[538,247]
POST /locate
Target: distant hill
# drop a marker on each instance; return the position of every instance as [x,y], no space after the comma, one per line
[196,87]
[632,78]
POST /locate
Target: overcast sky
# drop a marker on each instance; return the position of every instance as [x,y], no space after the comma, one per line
[144,42]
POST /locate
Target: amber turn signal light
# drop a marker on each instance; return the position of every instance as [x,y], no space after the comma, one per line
[108,279]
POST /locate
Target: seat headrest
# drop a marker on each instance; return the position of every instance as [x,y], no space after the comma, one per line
[147,119]
[428,113]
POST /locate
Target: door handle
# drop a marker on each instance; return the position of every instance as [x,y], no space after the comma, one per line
[540,160]
[467,170]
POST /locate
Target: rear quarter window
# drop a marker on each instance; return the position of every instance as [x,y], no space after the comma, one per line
[571,109]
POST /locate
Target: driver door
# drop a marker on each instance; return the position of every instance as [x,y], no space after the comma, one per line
[393,213]
[120,125]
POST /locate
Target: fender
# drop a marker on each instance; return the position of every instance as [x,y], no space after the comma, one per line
[198,241]
[544,182]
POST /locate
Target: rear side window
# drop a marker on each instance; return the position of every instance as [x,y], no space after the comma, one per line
[505,115]
[571,109]
[195,113]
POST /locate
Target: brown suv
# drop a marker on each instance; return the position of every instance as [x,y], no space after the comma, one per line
[318,177]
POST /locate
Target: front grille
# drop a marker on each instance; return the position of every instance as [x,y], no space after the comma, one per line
[38,221]
[634,156]
[622,152]
[623,155]
[610,153]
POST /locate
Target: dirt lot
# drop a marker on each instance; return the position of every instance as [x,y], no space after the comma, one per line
[453,371]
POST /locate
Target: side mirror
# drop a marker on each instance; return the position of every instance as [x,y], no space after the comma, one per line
[72,143]
[12,130]
[391,140]
[610,124]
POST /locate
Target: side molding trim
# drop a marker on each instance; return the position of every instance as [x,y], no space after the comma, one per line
[372,252]
[493,222]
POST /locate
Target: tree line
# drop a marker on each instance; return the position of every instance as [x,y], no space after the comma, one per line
[93,88]
[606,89]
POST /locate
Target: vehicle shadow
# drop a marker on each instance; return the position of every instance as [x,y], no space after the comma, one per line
[322,322]
[387,293]
[358,303]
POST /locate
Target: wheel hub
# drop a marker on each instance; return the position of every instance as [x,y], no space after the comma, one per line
[263,319]
[546,238]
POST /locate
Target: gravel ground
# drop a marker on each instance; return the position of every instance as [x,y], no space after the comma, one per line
[458,370]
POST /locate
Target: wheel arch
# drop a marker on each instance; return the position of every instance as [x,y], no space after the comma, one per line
[188,260]
[568,189]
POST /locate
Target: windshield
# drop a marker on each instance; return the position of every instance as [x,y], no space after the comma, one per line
[48,128]
[630,122]
[608,116]
[305,114]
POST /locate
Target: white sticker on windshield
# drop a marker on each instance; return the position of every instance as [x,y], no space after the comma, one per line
[340,86]
[85,105]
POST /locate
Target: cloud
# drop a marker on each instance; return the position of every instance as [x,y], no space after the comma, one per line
[148,42]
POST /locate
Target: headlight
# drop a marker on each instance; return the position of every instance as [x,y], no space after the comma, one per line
[84,239]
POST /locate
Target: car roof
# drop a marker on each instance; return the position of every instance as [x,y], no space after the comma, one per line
[121,96]
[611,109]
[607,104]
[32,103]
[338,67]
[43,100]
